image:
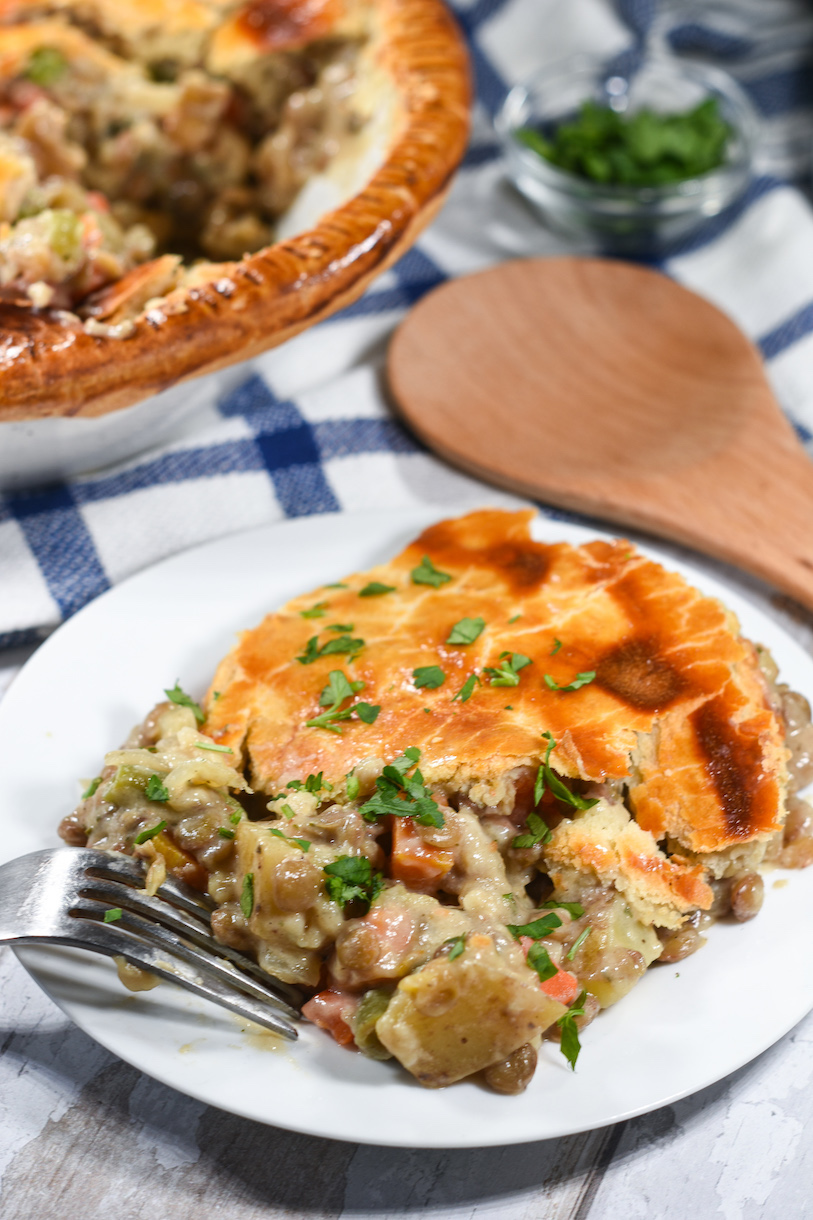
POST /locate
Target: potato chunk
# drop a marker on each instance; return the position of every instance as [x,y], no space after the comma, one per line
[452,1018]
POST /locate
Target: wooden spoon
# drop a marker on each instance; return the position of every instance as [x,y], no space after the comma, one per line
[607,388]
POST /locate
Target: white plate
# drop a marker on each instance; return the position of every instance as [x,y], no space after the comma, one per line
[682,1028]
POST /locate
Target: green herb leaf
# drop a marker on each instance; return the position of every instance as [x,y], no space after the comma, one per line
[430,676]
[317,611]
[557,644]
[150,833]
[537,929]
[336,585]
[466,631]
[561,791]
[368,712]
[247,895]
[578,681]
[457,944]
[176,695]
[315,783]
[304,844]
[235,818]
[225,833]
[353,787]
[341,627]
[156,790]
[45,66]
[570,1045]
[538,832]
[577,944]
[376,589]
[539,960]
[467,689]
[574,909]
[338,689]
[351,879]
[112,914]
[342,644]
[400,795]
[515,619]
[206,745]
[91,788]
[287,812]
[507,674]
[427,574]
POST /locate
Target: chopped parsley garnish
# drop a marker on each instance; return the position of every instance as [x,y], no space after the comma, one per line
[353,787]
[467,689]
[342,644]
[216,695]
[574,909]
[340,627]
[91,788]
[314,783]
[579,680]
[539,960]
[337,690]
[351,879]
[247,895]
[557,644]
[515,619]
[150,833]
[317,611]
[466,631]
[112,914]
[570,1045]
[507,674]
[562,793]
[234,818]
[577,944]
[336,585]
[401,795]
[304,844]
[642,148]
[156,790]
[206,745]
[176,695]
[456,946]
[430,676]
[427,574]
[376,589]
[45,66]
[537,928]
[538,832]
[225,833]
[509,707]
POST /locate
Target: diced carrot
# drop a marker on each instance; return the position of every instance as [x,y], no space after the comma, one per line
[563,987]
[414,861]
[181,863]
[333,1012]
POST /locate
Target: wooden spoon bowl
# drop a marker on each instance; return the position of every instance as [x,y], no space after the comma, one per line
[608,388]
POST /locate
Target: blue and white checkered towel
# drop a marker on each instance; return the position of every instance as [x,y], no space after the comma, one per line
[309,429]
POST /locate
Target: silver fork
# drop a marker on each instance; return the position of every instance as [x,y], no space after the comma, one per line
[60,896]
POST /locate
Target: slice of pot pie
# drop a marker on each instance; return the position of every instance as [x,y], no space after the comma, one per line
[467,797]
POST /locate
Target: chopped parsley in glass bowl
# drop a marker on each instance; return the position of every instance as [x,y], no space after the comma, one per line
[638,163]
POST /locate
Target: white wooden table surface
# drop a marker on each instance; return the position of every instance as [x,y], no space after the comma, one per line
[85,1137]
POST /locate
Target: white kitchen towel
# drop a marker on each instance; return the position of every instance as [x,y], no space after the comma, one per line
[309,429]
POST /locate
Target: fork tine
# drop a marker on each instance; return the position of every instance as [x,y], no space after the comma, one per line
[161,937]
[130,873]
[116,942]
[188,927]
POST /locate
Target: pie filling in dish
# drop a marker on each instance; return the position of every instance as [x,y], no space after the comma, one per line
[465,799]
[143,143]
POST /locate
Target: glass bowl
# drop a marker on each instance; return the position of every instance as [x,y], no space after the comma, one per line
[626,219]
